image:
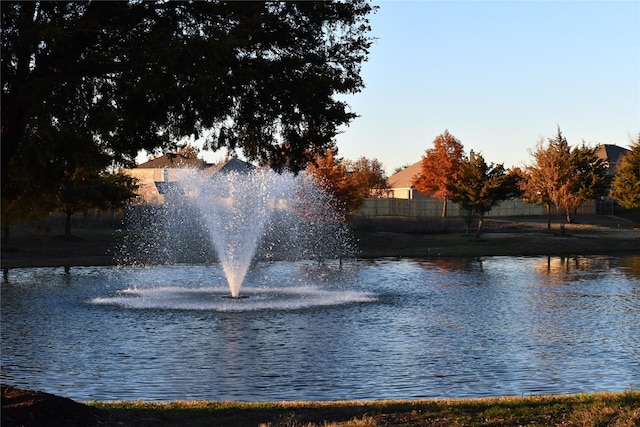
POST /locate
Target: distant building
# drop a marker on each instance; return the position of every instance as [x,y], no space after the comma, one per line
[612,154]
[154,175]
[172,160]
[401,183]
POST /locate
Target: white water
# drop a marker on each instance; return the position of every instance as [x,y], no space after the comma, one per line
[177,298]
[235,208]
[289,215]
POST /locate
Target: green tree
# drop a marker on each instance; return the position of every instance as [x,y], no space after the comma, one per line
[259,77]
[83,189]
[591,173]
[440,167]
[626,183]
[480,187]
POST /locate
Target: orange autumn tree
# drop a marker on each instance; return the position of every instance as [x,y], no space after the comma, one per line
[331,173]
[368,176]
[440,167]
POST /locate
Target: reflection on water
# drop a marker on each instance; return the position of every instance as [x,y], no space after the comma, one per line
[574,268]
[369,329]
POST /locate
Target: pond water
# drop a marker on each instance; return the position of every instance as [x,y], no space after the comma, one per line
[366,329]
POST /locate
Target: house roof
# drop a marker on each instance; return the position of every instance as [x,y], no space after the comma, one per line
[404,178]
[610,152]
[231,165]
[172,160]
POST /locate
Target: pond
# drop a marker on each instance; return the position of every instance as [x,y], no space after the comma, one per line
[363,329]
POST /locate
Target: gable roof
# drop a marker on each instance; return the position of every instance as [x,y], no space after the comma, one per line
[610,152]
[172,160]
[404,178]
[231,165]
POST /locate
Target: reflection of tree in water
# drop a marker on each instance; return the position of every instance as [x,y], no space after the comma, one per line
[562,269]
[631,266]
[452,264]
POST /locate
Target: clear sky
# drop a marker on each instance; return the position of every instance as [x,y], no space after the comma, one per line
[498,75]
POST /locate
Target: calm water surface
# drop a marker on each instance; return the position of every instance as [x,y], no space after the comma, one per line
[375,329]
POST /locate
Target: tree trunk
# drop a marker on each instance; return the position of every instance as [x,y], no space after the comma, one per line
[480,224]
[444,207]
[569,217]
[5,236]
[548,207]
[67,226]
[468,220]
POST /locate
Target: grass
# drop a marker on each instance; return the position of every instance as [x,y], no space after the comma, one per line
[502,236]
[597,409]
[96,243]
[33,247]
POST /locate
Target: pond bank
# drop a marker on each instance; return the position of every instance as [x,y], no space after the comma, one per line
[21,407]
[502,237]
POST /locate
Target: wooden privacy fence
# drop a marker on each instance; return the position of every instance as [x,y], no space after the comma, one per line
[433,208]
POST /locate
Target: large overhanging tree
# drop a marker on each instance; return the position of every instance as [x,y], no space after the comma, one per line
[259,78]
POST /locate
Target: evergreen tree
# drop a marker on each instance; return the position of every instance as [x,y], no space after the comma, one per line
[480,187]
[626,183]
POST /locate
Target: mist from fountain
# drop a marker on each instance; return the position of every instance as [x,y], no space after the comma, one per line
[237,218]
[236,208]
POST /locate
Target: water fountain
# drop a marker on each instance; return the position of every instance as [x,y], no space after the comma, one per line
[237,219]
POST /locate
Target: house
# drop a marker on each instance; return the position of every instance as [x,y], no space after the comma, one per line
[154,175]
[230,165]
[612,154]
[401,183]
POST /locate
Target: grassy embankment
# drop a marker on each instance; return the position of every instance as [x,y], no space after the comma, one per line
[20,408]
[595,235]
[30,247]
[598,409]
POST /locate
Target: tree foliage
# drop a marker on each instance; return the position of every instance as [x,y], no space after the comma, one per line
[349,182]
[440,167]
[83,190]
[625,188]
[480,187]
[537,179]
[564,177]
[188,151]
[367,176]
[257,77]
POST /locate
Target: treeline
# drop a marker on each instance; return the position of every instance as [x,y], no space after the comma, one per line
[559,176]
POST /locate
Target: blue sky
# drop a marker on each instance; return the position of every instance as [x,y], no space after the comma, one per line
[498,75]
